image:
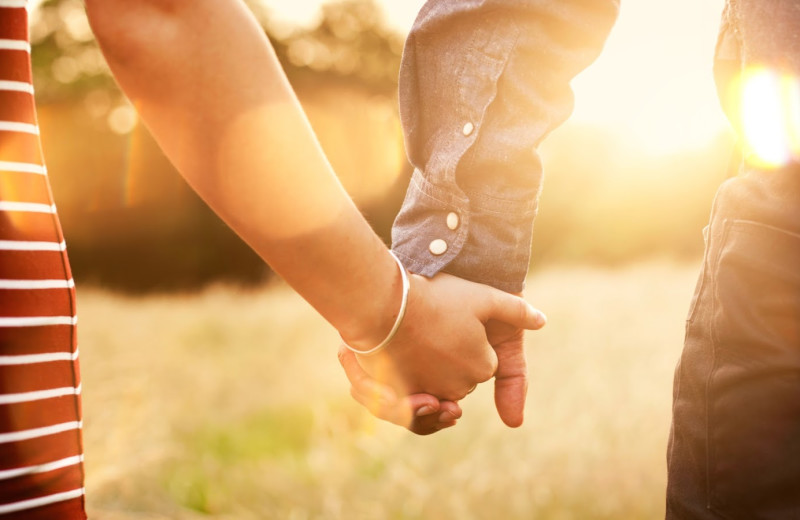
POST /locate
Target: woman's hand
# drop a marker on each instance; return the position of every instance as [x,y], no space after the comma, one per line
[422,414]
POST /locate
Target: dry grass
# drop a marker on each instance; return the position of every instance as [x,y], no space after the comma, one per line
[231,405]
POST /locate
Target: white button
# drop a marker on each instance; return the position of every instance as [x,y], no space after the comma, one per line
[468,128]
[452,220]
[438,247]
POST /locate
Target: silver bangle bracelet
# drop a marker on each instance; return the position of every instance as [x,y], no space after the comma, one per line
[400,314]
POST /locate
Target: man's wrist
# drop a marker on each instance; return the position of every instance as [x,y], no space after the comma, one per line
[479,238]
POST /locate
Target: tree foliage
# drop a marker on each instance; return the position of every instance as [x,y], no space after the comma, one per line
[130,220]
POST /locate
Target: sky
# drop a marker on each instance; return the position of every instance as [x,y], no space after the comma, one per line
[653,82]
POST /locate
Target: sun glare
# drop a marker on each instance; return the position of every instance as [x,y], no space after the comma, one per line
[770,117]
[652,87]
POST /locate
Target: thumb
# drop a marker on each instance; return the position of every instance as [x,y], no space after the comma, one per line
[514,310]
[511,380]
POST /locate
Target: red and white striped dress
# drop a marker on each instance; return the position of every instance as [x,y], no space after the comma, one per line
[41,451]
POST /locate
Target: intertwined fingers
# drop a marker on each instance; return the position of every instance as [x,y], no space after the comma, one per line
[422,414]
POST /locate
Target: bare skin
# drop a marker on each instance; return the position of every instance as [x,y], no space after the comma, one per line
[207,84]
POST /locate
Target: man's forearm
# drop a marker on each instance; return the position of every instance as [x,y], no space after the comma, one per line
[482,83]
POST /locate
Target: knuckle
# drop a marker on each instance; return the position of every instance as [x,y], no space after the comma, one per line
[521,310]
[454,394]
[495,298]
[485,375]
[457,396]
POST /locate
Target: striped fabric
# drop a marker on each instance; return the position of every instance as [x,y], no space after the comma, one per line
[41,452]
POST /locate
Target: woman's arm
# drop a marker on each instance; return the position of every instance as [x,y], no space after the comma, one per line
[206,82]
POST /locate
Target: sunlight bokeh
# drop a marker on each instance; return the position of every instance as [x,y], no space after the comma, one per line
[770,117]
[399,14]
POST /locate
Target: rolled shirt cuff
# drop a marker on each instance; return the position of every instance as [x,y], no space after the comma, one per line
[480,238]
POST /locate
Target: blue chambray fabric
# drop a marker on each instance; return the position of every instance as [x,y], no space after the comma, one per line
[503,67]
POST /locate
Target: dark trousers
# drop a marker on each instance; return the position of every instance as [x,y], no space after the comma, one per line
[734,449]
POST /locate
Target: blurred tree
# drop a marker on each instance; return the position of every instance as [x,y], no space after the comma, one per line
[67,63]
[130,220]
[352,42]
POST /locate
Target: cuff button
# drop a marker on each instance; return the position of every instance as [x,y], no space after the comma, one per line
[438,247]
[468,128]
[452,221]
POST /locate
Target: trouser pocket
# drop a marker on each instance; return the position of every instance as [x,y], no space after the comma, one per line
[754,387]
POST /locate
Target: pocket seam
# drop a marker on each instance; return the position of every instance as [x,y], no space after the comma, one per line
[726,226]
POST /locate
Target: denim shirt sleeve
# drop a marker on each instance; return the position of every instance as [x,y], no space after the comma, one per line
[482,82]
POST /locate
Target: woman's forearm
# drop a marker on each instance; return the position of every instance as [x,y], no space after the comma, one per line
[207,84]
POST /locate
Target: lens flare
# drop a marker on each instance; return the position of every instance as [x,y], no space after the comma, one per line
[770,118]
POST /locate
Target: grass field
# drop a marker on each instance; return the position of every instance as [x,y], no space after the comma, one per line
[230,404]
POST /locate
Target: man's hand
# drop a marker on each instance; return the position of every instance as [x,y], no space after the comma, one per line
[511,378]
[444,349]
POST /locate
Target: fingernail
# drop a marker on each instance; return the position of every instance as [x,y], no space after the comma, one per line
[444,426]
[425,410]
[447,417]
[541,318]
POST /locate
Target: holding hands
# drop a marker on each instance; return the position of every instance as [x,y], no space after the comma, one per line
[272,184]
[455,335]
